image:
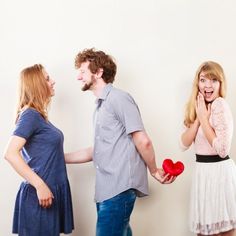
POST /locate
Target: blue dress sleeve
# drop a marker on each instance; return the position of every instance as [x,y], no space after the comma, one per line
[27,123]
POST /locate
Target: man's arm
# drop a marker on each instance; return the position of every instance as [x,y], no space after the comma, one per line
[145,148]
[80,156]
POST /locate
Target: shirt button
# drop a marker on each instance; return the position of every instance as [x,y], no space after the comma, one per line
[97,167]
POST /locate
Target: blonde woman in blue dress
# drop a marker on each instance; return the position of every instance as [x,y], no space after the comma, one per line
[43,204]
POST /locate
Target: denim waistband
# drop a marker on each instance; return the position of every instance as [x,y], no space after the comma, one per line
[210,158]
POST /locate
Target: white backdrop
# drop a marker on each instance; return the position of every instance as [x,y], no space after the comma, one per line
[158,46]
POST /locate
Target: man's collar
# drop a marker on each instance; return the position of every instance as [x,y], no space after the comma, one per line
[106,90]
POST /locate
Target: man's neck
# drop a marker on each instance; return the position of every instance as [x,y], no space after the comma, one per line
[97,91]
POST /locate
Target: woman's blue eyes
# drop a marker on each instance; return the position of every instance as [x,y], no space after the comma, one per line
[213,80]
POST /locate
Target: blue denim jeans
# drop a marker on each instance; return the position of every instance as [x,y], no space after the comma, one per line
[113,215]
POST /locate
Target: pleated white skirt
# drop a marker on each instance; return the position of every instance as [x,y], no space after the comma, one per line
[213,198]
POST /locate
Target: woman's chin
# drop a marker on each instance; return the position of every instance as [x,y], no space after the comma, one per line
[209,99]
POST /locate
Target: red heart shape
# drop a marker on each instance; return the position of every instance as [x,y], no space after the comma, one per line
[174,169]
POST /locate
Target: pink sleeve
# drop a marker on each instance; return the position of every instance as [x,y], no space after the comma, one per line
[223,126]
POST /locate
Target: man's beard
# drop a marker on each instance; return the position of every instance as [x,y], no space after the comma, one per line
[89,85]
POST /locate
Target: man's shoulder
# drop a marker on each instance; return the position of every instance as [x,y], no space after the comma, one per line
[117,92]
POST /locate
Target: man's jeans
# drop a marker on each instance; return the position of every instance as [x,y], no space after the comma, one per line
[114,214]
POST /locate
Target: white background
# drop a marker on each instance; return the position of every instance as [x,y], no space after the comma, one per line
[158,46]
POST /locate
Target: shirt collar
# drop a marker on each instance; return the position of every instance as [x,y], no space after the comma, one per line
[106,90]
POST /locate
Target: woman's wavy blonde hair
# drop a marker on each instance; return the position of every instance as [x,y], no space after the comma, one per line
[33,91]
[211,70]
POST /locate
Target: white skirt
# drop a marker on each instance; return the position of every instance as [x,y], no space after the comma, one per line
[213,198]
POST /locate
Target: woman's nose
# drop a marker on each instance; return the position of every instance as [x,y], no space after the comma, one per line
[208,83]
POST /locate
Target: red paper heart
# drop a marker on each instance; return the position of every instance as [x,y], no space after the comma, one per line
[174,169]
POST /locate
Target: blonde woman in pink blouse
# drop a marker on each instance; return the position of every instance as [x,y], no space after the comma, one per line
[209,125]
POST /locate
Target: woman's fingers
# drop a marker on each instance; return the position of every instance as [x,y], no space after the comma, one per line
[46,203]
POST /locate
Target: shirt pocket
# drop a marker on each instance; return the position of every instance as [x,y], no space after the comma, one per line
[107,125]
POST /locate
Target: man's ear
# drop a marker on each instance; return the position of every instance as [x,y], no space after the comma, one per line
[99,73]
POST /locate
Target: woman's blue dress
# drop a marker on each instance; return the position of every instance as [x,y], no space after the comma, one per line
[43,152]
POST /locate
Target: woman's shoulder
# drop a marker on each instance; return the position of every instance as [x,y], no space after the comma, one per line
[220,104]
[29,110]
[29,113]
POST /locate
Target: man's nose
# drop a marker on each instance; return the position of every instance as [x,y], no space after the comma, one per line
[79,77]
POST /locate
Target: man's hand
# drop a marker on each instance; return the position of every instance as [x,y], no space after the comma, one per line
[162,177]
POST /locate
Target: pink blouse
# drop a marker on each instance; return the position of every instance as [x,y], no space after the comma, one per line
[221,121]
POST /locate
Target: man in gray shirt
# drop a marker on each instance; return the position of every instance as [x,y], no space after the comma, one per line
[122,150]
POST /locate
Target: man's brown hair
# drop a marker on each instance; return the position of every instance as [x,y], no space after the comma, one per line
[98,60]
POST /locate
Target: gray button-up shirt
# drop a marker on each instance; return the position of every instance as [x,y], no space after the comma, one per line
[118,164]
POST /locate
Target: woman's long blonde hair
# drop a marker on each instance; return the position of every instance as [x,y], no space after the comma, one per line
[211,70]
[33,90]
